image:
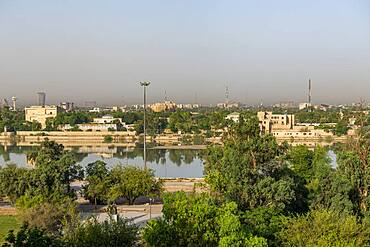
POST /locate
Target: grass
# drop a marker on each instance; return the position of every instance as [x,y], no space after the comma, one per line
[7,223]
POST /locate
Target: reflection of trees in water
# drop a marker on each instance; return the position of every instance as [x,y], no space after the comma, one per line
[182,156]
[5,152]
[159,156]
[80,156]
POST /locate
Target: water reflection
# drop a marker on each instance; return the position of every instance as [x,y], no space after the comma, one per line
[165,163]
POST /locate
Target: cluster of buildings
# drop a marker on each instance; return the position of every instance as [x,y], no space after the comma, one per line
[168,105]
[284,126]
[105,123]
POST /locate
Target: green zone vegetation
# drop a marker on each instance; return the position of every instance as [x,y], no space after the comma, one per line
[204,122]
[259,193]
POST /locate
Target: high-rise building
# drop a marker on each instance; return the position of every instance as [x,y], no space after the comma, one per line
[14,99]
[42,98]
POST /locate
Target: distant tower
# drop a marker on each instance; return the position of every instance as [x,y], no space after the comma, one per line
[227,95]
[14,99]
[165,95]
[309,91]
[42,97]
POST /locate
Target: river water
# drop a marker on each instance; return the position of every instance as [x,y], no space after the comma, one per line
[166,163]
[171,163]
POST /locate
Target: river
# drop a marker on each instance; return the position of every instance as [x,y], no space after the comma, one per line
[166,163]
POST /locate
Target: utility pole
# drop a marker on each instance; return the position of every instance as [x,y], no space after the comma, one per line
[145,84]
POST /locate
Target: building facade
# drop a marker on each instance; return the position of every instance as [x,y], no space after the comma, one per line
[107,119]
[269,122]
[40,114]
[163,106]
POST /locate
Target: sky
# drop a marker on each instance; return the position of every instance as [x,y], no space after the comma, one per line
[190,50]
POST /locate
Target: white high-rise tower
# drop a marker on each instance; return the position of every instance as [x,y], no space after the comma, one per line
[14,99]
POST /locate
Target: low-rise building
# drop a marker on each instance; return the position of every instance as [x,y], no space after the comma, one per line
[91,127]
[41,114]
[304,105]
[95,109]
[301,134]
[233,116]
[228,105]
[107,119]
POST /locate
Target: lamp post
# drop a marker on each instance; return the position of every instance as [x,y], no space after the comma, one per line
[144,84]
[150,207]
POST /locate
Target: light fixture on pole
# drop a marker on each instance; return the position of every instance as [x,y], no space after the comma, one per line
[145,84]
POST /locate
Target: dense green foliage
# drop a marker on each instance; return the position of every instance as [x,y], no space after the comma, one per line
[31,237]
[109,233]
[199,220]
[259,193]
[54,170]
[279,196]
[325,228]
[250,170]
[127,182]
[15,120]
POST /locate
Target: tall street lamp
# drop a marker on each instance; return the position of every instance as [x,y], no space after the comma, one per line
[144,84]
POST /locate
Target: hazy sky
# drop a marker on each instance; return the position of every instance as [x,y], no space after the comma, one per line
[263,50]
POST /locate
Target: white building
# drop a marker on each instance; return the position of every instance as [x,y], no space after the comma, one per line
[304,105]
[95,109]
[92,127]
[233,116]
[107,119]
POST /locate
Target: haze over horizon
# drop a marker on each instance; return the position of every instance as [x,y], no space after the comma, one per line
[90,50]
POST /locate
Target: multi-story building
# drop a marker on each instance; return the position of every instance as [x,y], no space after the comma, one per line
[67,106]
[41,114]
[269,122]
[163,106]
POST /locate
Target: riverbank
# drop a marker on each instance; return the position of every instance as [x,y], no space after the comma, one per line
[130,139]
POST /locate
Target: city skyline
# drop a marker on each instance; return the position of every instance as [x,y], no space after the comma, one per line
[92,51]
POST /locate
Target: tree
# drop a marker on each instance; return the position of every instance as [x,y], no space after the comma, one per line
[27,236]
[14,182]
[312,166]
[132,182]
[97,188]
[353,163]
[341,128]
[109,233]
[180,121]
[324,228]
[55,170]
[198,220]
[250,169]
[50,216]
